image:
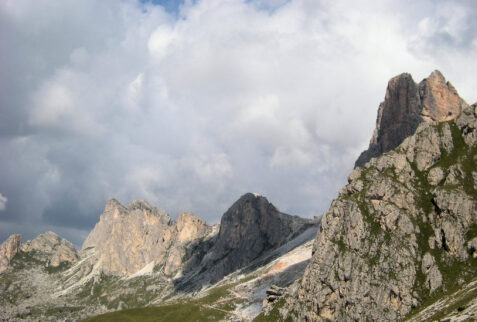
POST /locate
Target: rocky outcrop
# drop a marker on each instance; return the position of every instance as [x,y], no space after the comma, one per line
[274,293]
[408,104]
[8,250]
[47,248]
[248,229]
[189,228]
[53,249]
[402,229]
[127,239]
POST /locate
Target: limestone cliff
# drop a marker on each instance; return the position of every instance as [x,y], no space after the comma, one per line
[8,250]
[402,232]
[126,239]
[408,104]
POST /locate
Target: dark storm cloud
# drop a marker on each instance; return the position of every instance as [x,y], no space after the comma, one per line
[191,106]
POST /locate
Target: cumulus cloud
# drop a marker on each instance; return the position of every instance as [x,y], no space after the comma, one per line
[193,104]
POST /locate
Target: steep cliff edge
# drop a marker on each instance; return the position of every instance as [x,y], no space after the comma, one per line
[127,239]
[408,104]
[401,234]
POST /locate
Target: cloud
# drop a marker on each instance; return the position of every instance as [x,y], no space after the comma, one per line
[191,105]
[3,202]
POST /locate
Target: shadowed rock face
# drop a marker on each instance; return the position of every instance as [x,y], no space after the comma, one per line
[408,104]
[249,228]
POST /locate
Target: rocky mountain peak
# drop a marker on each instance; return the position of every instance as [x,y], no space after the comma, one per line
[8,250]
[249,228]
[408,104]
[440,100]
[113,204]
[401,234]
[55,249]
[128,238]
[48,248]
[190,227]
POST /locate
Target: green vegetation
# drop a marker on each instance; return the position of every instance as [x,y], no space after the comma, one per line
[452,269]
[212,307]
[274,315]
[115,293]
[23,260]
[181,312]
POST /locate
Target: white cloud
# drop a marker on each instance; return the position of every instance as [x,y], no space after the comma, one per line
[160,41]
[3,202]
[52,103]
[191,110]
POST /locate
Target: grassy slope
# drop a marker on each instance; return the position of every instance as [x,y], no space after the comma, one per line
[183,311]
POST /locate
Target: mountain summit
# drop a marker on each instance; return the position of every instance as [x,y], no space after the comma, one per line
[408,104]
[403,233]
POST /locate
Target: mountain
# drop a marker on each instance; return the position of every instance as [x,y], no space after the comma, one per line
[140,236]
[136,256]
[399,242]
[406,105]
[48,248]
[403,233]
[250,228]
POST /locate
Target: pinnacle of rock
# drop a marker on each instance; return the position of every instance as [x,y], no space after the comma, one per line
[8,250]
[408,104]
[440,100]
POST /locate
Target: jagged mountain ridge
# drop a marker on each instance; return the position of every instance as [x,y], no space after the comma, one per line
[137,245]
[402,233]
[406,105]
[127,239]
[48,247]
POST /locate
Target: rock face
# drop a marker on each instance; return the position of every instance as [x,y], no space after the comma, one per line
[403,228]
[48,248]
[126,239]
[54,248]
[190,227]
[408,104]
[8,250]
[248,229]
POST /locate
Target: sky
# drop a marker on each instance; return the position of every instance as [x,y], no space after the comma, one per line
[191,104]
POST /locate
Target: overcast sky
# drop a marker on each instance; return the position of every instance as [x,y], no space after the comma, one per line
[190,105]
